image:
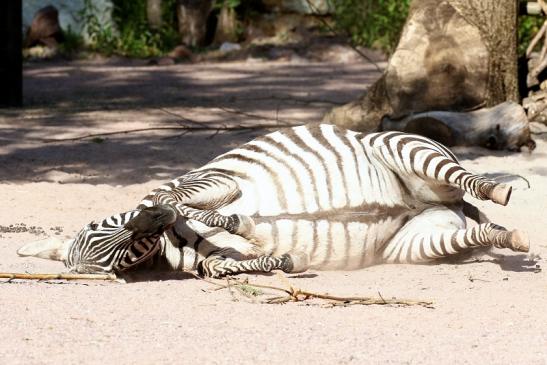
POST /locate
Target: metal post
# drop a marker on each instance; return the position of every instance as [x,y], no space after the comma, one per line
[11,63]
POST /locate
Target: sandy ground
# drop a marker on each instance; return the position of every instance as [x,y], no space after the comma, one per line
[492,310]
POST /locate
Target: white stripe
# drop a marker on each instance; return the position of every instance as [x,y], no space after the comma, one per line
[338,200]
[292,199]
[316,167]
[349,166]
[303,178]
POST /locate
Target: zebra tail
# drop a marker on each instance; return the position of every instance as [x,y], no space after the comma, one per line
[472,212]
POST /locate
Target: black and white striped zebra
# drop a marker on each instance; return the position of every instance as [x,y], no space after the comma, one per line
[307,197]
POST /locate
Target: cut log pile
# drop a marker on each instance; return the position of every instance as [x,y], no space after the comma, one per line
[535,100]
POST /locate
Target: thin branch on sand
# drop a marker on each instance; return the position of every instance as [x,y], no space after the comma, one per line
[184,128]
[294,294]
[197,126]
[63,276]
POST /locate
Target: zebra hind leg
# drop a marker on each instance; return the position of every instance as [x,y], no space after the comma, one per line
[430,161]
[440,232]
[216,265]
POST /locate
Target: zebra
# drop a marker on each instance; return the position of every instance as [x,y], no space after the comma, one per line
[308,197]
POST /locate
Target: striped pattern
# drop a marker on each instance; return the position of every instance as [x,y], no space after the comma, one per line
[341,199]
[108,246]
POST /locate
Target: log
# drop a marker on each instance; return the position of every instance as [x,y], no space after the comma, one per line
[530,8]
[503,127]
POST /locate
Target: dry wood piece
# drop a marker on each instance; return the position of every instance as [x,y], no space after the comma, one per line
[62,276]
[503,127]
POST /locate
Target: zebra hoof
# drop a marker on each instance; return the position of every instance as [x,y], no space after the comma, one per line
[519,241]
[246,226]
[296,262]
[501,194]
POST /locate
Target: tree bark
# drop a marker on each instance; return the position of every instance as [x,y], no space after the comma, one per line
[192,20]
[153,13]
[453,55]
[227,26]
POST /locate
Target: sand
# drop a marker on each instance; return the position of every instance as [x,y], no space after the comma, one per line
[492,310]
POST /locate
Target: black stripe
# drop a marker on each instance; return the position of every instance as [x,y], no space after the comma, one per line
[291,134]
[440,166]
[292,172]
[355,159]
[300,160]
[318,134]
[280,194]
[451,171]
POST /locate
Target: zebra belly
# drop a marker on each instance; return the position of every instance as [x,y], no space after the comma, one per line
[338,242]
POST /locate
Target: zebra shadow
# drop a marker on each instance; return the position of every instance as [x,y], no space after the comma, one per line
[514,263]
[138,276]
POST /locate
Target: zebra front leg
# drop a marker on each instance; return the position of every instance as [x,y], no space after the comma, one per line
[440,232]
[238,224]
[197,195]
[216,266]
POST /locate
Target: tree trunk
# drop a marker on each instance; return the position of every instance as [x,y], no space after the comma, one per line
[453,55]
[227,26]
[153,13]
[192,20]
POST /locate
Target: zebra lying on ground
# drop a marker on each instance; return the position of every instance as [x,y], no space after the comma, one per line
[307,197]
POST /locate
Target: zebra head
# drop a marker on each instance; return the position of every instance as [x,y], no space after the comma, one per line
[114,244]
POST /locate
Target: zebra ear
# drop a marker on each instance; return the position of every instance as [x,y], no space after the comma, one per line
[50,248]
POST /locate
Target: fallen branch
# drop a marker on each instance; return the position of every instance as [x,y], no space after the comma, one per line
[251,115]
[288,99]
[183,118]
[536,39]
[293,294]
[185,128]
[62,276]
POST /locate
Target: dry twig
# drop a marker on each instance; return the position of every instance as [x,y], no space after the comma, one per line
[202,128]
[536,39]
[62,276]
[294,294]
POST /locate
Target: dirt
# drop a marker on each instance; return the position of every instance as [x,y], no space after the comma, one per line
[491,309]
